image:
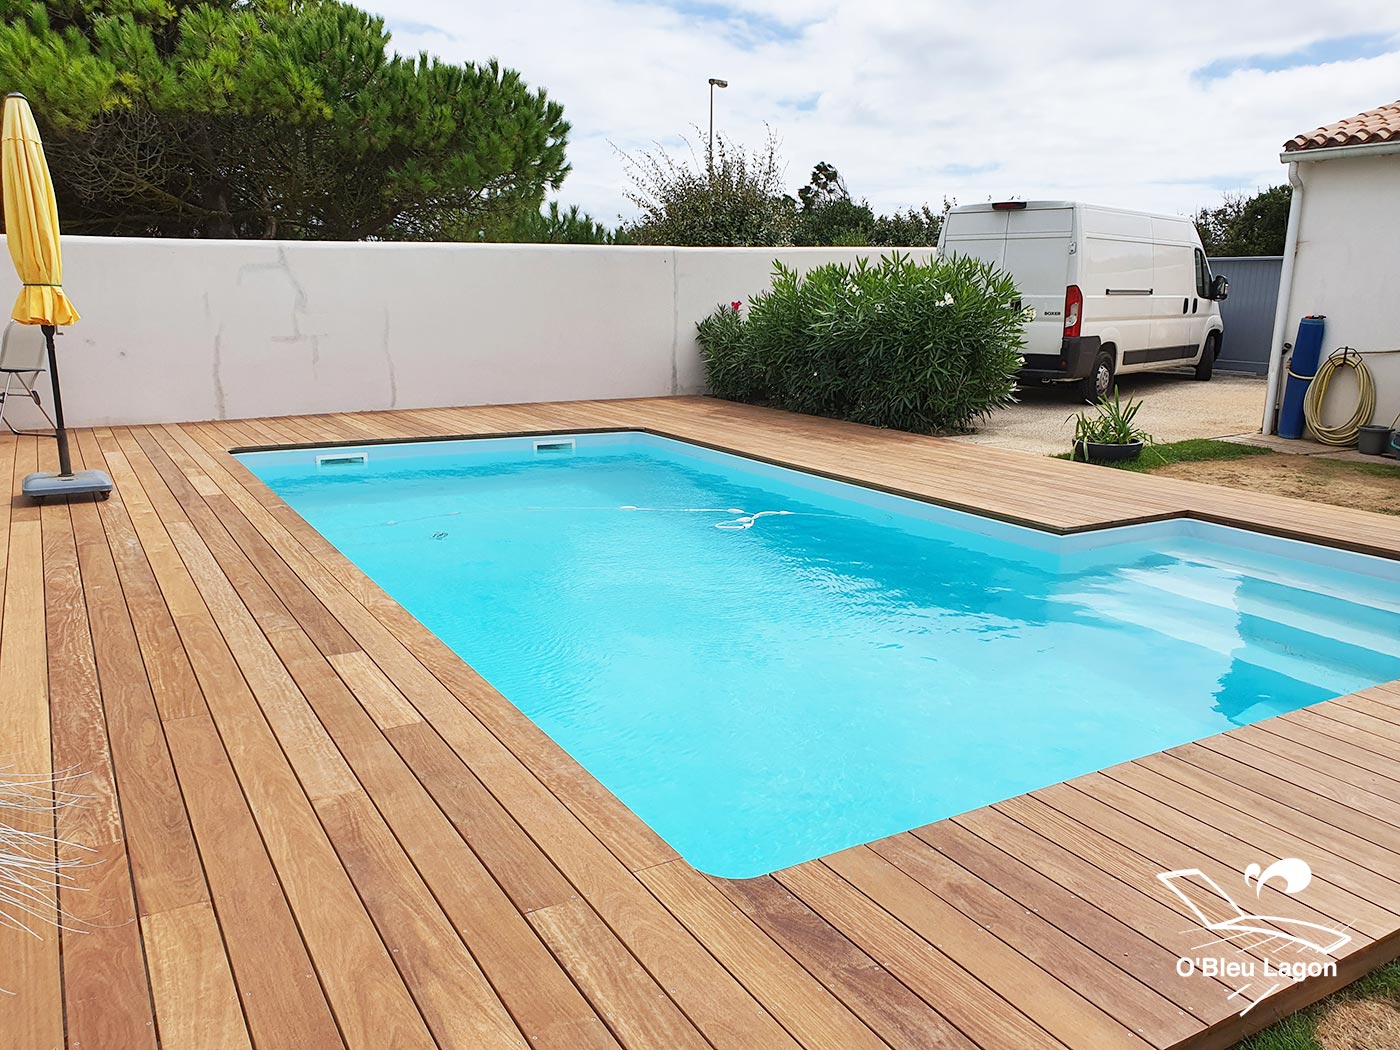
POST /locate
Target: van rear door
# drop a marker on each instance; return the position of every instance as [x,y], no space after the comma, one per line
[1032,244]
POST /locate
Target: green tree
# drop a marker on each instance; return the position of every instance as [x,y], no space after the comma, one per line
[1246,225]
[271,118]
[730,198]
[830,216]
[556,226]
[826,187]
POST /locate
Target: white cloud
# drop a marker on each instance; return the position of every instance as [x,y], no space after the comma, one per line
[1098,101]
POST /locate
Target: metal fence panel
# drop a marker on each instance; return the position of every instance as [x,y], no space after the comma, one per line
[1249,311]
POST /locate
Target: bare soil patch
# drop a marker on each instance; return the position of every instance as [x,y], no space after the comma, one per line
[1369,486]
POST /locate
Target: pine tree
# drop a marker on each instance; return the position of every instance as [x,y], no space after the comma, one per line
[271,118]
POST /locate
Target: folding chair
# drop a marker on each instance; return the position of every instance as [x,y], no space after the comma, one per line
[23,358]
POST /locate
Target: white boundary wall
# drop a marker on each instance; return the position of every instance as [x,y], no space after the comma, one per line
[177,330]
[1346,267]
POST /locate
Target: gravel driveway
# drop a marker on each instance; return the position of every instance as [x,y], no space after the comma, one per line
[1175,407]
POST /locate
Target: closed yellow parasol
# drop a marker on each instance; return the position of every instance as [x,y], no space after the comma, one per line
[31,231]
[31,221]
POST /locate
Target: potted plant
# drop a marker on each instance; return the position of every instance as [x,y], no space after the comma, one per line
[1107,432]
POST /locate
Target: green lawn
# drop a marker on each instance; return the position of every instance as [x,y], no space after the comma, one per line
[1154,456]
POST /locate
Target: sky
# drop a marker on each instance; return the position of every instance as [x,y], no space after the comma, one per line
[1158,106]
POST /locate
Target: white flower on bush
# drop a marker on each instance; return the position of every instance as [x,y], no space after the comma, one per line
[947,299]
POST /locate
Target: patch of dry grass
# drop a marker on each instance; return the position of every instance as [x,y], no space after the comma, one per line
[1362,1016]
[1362,1024]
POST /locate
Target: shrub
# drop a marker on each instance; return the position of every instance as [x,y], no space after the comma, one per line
[914,346]
[723,197]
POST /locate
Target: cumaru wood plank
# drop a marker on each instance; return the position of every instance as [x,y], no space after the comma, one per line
[1175,839]
[1309,741]
[456,1000]
[314,825]
[1085,871]
[165,863]
[891,1010]
[1036,991]
[803,1005]
[976,1010]
[1342,857]
[107,999]
[32,1015]
[1349,785]
[636,1009]
[357,974]
[524,871]
[196,1003]
[124,571]
[981,870]
[1098,979]
[277,983]
[381,699]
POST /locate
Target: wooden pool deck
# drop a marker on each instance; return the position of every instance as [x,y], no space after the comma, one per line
[311,825]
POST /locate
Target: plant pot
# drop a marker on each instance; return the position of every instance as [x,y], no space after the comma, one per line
[1373,440]
[1090,450]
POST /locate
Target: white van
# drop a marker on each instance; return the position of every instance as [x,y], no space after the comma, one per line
[1113,291]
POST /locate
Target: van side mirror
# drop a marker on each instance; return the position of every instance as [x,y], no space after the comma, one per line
[1219,288]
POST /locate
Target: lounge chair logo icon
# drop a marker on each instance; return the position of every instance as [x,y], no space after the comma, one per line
[1280,949]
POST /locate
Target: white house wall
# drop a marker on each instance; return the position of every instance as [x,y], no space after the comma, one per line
[1348,267]
[177,330]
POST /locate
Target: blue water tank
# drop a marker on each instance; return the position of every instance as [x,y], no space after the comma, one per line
[1307,351]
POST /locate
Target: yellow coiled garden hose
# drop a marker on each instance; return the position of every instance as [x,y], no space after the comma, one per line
[1344,433]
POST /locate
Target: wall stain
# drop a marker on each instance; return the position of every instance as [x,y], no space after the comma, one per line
[220,400]
[389,360]
[299,300]
[675,322]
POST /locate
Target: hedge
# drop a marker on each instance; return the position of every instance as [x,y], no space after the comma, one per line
[915,346]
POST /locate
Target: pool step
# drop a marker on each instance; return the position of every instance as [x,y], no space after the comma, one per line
[1311,612]
[1306,654]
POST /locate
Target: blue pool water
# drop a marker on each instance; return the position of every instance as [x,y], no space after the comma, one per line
[767,666]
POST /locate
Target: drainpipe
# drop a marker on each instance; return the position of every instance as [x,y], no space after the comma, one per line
[1285,293]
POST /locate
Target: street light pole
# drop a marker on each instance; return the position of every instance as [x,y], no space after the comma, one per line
[715,82]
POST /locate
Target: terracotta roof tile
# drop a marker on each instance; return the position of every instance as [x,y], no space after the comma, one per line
[1376,125]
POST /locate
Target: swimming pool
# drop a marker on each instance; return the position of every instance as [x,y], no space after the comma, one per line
[768,666]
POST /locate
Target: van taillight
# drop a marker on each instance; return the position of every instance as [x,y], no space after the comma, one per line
[1009,206]
[1074,308]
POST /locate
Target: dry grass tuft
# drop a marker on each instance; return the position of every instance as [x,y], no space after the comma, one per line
[1361,1024]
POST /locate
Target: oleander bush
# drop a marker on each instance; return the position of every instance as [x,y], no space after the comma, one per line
[915,346]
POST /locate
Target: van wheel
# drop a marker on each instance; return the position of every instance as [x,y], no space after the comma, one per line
[1206,368]
[1098,384]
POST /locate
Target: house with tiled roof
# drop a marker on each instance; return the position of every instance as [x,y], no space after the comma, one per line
[1373,127]
[1342,253]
